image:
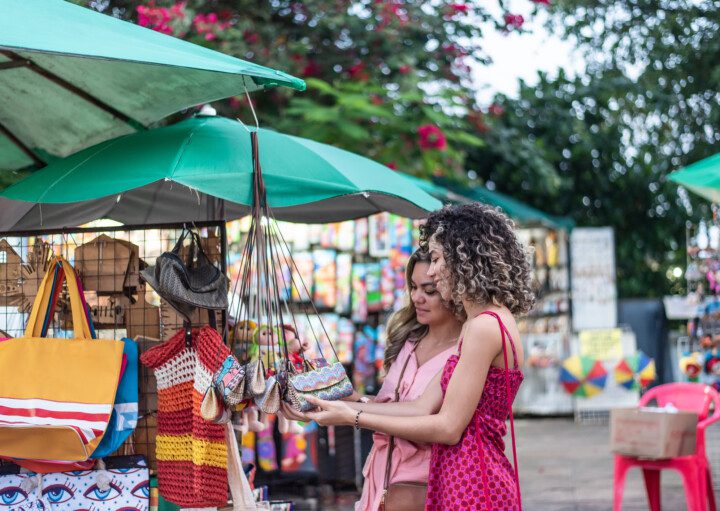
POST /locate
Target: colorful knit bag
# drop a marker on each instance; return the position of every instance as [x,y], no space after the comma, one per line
[191,452]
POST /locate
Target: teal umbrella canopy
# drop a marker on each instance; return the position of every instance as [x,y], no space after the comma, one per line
[441,193]
[201,169]
[525,215]
[702,177]
[71,77]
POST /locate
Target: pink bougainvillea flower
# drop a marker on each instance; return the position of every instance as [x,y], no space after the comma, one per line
[392,165]
[541,2]
[209,25]
[312,68]
[159,18]
[459,8]
[376,100]
[358,72]
[235,102]
[514,20]
[404,69]
[250,37]
[496,110]
[431,137]
[178,10]
[477,121]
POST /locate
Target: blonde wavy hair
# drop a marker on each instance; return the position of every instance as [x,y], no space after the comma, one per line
[484,261]
[403,323]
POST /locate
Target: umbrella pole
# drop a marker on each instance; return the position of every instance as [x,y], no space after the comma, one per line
[222,226]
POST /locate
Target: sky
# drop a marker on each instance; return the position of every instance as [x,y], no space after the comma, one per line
[522,55]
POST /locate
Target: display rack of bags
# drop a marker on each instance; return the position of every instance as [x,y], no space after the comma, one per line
[118,303]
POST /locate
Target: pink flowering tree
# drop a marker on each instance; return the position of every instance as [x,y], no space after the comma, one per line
[391,79]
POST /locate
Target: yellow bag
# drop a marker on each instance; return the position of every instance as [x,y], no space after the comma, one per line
[56,395]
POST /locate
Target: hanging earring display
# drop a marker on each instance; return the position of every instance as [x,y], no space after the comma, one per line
[266,337]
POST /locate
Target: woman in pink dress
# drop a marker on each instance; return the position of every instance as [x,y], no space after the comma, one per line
[476,260]
[423,335]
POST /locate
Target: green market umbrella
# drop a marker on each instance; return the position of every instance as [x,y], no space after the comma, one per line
[439,192]
[524,214]
[702,177]
[71,77]
[201,169]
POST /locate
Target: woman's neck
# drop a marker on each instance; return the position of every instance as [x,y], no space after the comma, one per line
[472,309]
[444,332]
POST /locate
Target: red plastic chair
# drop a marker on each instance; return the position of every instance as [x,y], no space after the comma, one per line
[694,469]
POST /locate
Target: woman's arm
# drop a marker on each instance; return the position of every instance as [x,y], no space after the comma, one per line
[428,403]
[481,345]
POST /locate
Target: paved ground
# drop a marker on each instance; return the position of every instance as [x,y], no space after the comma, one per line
[568,467]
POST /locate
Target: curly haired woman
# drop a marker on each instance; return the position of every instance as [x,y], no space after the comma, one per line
[476,260]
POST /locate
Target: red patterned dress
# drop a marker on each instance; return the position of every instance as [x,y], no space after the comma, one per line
[474,474]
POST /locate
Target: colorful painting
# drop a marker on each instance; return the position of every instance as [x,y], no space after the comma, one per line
[361,236]
[344,340]
[359,310]
[303,276]
[374,287]
[325,291]
[343,286]
[379,235]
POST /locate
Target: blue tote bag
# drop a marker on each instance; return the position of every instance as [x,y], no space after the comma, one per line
[125,410]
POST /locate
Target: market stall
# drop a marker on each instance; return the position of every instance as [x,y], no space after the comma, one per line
[122,305]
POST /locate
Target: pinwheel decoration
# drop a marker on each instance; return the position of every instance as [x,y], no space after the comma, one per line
[583,376]
[635,372]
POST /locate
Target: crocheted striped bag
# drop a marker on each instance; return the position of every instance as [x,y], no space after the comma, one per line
[191,452]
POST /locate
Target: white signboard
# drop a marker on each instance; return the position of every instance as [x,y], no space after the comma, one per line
[594,293]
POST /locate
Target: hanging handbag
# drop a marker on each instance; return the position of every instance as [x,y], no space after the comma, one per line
[329,382]
[121,482]
[56,395]
[254,380]
[125,410]
[269,401]
[191,452]
[213,408]
[405,495]
[188,283]
[21,490]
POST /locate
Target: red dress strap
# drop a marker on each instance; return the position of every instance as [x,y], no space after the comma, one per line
[504,333]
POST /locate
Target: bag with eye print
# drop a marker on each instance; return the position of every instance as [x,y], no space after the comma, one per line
[124,484]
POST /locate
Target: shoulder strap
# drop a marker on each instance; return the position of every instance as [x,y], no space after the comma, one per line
[504,332]
[506,335]
[391,441]
[44,299]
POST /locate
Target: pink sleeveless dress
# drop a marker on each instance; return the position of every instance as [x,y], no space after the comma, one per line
[410,460]
[474,474]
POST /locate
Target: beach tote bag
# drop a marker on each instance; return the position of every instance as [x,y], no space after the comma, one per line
[120,482]
[125,410]
[56,395]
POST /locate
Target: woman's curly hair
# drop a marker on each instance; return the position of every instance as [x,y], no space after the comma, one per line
[484,261]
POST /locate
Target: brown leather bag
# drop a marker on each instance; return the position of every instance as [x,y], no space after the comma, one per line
[405,495]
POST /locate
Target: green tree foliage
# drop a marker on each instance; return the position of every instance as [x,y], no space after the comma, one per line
[671,49]
[600,147]
[389,79]
[571,146]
